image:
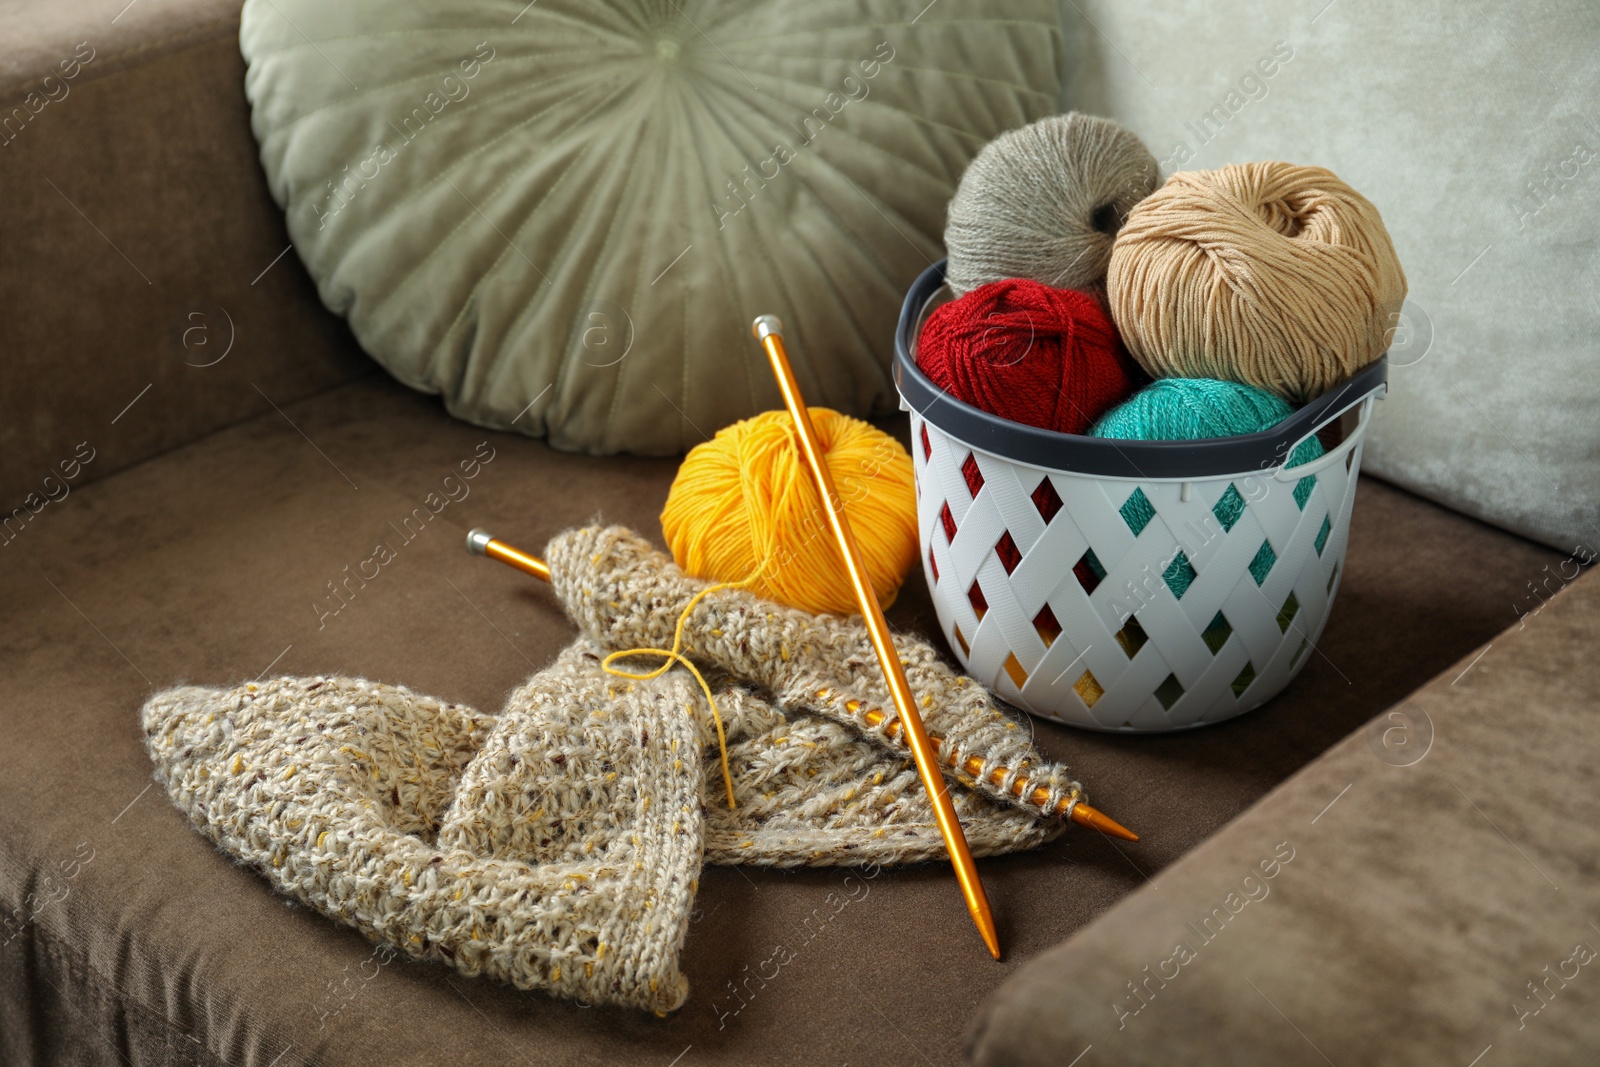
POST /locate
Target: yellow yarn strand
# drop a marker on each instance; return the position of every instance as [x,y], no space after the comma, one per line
[675,655]
[743,505]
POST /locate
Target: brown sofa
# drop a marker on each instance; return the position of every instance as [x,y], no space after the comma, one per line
[204,496]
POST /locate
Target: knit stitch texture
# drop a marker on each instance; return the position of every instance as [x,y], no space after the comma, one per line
[624,594]
[557,846]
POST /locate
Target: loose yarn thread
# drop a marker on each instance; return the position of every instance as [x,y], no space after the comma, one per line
[1029,353]
[672,655]
[743,511]
[1271,274]
[1044,202]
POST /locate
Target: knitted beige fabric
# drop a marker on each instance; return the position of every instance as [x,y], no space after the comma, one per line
[808,792]
[344,794]
[623,593]
[557,845]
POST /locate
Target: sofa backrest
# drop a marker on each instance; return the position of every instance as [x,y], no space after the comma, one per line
[147,294]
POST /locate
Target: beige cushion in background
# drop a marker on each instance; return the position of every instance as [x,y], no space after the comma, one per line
[1442,114]
[563,216]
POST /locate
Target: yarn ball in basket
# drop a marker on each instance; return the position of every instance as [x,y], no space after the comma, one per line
[1044,202]
[1272,274]
[1028,352]
[743,507]
[1193,409]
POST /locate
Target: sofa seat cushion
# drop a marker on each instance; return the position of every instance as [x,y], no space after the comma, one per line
[253,552]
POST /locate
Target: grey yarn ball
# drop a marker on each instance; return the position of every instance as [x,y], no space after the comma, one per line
[1045,202]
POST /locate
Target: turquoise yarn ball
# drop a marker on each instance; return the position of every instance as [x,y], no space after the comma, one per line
[1192,409]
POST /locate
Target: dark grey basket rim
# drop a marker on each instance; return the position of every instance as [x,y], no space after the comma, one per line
[1101,457]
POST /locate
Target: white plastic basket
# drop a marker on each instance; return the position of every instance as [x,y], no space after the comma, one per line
[1053,559]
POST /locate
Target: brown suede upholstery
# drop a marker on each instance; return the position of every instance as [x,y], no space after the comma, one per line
[135,225]
[205,566]
[1439,900]
[122,34]
[135,202]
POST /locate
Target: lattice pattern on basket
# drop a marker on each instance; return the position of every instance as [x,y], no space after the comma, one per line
[1127,605]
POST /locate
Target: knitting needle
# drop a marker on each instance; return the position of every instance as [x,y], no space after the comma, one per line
[479,542]
[1069,805]
[768,331]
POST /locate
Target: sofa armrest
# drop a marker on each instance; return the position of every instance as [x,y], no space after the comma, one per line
[143,299]
[1421,892]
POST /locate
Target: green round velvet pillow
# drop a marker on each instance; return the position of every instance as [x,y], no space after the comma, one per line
[563,215]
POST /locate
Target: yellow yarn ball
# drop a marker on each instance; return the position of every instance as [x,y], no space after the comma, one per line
[743,505]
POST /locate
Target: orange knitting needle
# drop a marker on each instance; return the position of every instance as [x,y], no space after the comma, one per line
[767,330]
[479,542]
[1069,805]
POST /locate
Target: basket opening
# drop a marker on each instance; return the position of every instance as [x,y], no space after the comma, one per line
[1134,460]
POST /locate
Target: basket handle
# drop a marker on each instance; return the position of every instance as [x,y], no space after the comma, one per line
[1286,473]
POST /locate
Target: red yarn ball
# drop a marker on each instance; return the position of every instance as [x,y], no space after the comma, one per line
[1029,353]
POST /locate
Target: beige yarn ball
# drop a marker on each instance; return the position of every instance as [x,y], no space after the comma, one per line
[1275,275]
[1044,202]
